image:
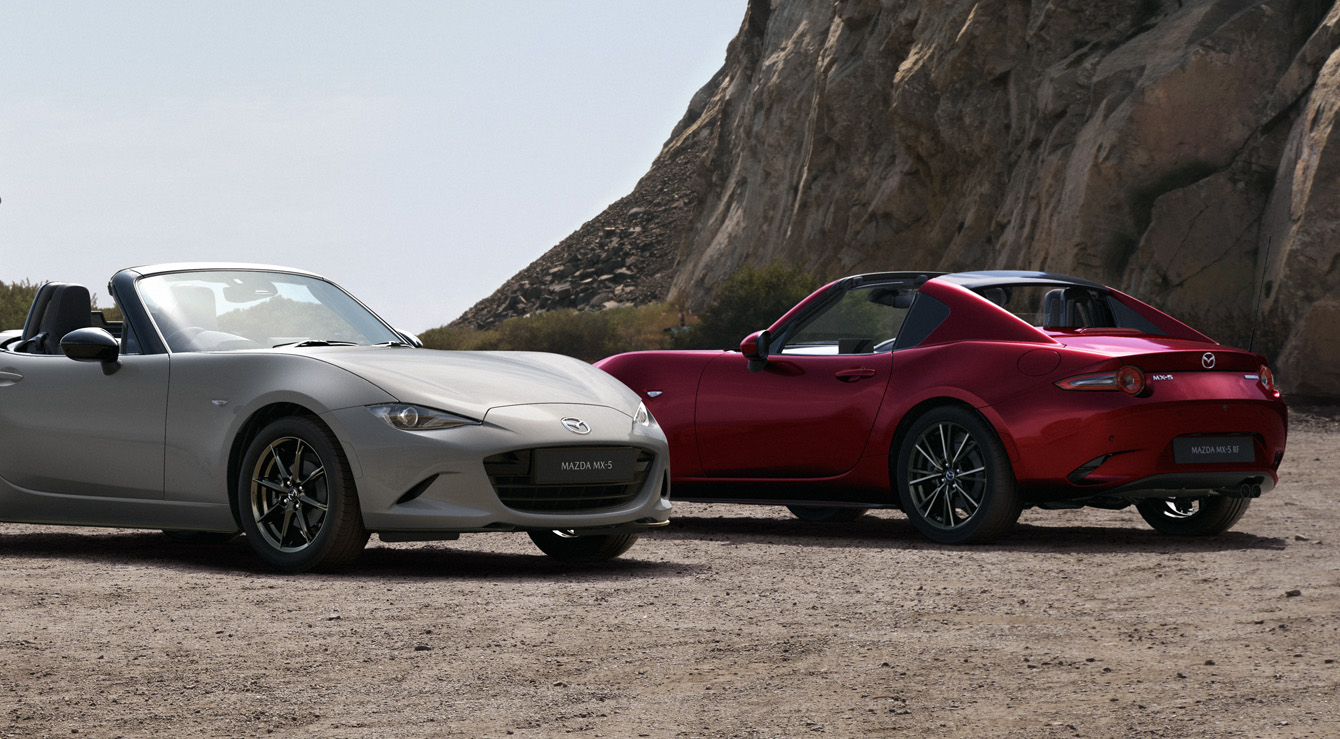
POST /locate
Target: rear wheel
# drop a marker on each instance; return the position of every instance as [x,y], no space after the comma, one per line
[296,498]
[954,478]
[568,546]
[1193,516]
[833,515]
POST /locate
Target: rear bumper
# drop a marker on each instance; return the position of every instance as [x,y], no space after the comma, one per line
[1231,484]
[1123,447]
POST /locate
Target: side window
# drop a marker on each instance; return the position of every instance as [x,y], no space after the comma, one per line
[863,321]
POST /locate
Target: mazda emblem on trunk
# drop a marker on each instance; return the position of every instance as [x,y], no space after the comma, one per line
[1207,360]
[575,425]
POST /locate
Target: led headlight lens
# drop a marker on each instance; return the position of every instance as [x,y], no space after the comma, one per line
[643,417]
[418,418]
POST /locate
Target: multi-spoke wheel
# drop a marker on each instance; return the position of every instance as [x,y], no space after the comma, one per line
[1193,516]
[296,498]
[954,478]
[569,546]
[825,514]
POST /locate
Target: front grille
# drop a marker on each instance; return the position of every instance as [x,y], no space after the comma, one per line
[510,473]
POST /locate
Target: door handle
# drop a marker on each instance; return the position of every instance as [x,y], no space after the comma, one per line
[852,375]
[8,377]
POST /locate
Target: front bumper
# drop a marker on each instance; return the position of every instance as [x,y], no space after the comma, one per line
[422,485]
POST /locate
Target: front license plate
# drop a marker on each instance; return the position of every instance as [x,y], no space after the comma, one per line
[559,466]
[1212,449]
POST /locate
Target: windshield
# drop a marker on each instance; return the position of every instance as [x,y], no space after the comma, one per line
[234,309]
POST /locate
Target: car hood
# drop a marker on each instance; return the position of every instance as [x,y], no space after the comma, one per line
[470,383]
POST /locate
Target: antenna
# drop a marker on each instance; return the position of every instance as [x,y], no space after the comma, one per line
[1260,296]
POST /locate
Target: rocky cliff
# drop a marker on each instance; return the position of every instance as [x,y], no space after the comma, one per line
[1178,150]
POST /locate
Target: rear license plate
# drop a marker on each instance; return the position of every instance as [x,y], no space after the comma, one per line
[1212,449]
[560,466]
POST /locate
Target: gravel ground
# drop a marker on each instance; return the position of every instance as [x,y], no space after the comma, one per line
[735,622]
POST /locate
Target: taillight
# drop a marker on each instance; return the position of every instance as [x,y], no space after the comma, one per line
[1267,379]
[1129,379]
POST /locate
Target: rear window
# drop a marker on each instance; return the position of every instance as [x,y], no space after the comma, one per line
[1059,307]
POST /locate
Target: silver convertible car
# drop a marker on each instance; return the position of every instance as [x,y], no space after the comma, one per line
[269,401]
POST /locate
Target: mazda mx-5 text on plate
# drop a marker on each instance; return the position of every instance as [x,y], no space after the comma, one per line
[270,401]
[962,398]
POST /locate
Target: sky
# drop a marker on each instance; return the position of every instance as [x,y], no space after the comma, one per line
[416,153]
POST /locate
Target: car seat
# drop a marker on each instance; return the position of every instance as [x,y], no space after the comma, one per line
[58,308]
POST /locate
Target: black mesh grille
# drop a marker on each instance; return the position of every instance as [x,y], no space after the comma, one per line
[510,474]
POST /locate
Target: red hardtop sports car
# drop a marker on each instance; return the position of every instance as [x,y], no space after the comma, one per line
[962,398]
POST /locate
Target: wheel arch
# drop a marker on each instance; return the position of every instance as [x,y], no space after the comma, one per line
[996,509]
[258,420]
[915,413]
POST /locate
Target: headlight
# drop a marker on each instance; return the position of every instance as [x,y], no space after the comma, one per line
[643,417]
[418,418]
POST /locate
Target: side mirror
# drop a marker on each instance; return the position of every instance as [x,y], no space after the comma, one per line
[93,345]
[755,349]
[410,339]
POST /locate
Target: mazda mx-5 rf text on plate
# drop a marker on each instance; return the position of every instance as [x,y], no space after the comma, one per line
[962,398]
[269,401]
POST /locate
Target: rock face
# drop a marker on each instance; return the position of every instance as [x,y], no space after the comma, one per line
[1178,150]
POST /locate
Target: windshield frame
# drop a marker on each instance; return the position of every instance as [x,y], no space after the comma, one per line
[130,283]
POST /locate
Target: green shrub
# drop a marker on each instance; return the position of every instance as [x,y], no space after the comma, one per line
[570,332]
[15,300]
[466,339]
[586,336]
[747,301]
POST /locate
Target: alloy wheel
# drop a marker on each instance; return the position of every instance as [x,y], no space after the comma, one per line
[947,475]
[289,494]
[1179,508]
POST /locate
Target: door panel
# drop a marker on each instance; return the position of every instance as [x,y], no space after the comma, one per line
[801,416]
[70,429]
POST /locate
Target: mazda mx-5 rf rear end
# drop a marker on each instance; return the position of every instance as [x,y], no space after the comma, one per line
[1148,420]
[1108,403]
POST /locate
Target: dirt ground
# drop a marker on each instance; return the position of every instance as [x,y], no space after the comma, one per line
[735,622]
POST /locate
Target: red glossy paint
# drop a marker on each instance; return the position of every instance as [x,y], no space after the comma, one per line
[824,428]
[794,418]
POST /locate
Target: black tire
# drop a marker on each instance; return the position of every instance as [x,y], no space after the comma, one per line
[296,498]
[1193,516]
[597,548]
[826,515]
[203,538]
[954,479]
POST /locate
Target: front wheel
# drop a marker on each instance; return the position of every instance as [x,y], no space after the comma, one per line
[826,515]
[1193,516]
[296,498]
[954,478]
[568,546]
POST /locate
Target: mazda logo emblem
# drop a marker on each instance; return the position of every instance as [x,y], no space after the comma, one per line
[1207,360]
[576,425]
